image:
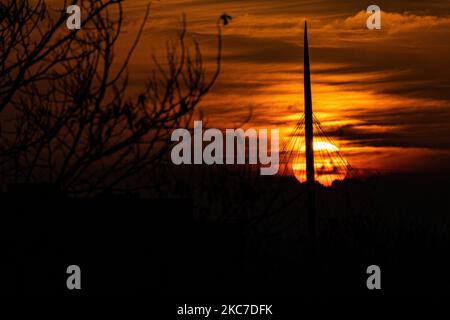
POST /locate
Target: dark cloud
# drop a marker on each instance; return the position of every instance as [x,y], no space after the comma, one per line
[423,128]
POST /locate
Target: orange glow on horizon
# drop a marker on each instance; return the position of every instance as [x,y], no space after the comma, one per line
[327,166]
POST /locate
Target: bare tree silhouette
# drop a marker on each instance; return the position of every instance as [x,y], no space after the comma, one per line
[73,123]
[33,44]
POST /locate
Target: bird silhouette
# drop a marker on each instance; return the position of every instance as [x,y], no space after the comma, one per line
[226,19]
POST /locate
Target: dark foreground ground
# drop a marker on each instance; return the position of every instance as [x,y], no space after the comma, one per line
[182,247]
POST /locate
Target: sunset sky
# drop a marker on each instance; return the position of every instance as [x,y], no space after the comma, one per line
[383,95]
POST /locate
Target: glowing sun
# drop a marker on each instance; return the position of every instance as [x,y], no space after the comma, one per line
[328,163]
